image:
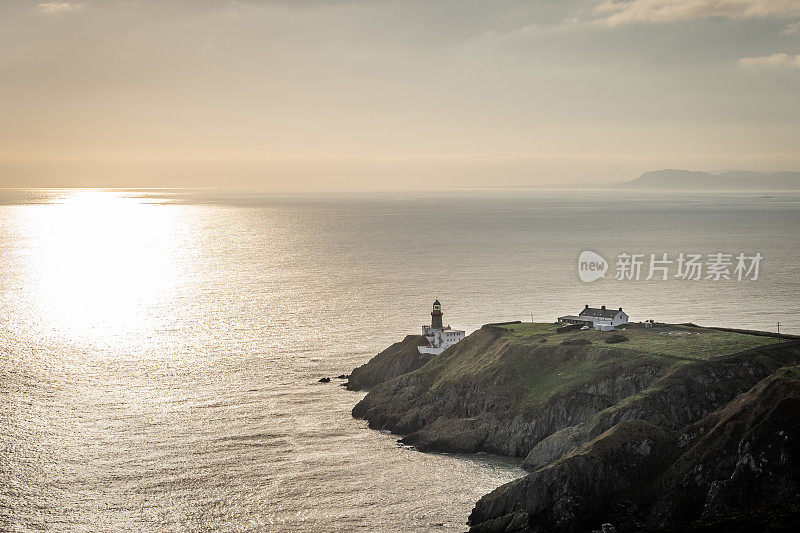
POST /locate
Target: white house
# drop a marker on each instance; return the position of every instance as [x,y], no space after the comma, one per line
[439,337]
[601,319]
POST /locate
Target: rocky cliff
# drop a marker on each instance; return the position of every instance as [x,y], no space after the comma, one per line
[659,431]
[399,358]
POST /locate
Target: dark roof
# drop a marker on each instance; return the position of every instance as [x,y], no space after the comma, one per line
[600,313]
[436,303]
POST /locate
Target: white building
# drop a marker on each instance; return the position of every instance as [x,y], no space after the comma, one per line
[439,337]
[601,319]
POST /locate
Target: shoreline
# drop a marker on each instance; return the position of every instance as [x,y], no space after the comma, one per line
[479,396]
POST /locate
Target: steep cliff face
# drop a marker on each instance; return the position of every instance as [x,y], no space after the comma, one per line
[683,395]
[607,475]
[399,358]
[739,459]
[739,463]
[611,432]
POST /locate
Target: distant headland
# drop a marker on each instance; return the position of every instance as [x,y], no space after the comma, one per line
[672,179]
[649,426]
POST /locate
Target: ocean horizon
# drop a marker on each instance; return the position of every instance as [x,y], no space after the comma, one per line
[162,349]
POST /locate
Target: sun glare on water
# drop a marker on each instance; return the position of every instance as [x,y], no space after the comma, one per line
[98,263]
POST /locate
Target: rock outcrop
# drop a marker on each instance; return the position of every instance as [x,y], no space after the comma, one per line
[399,358]
[741,463]
[641,434]
[605,478]
[455,406]
[740,459]
[683,395]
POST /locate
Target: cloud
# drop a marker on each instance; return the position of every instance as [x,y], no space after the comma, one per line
[774,61]
[791,29]
[615,12]
[59,7]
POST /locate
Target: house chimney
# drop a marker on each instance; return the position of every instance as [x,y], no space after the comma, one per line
[620,309]
[603,307]
[586,306]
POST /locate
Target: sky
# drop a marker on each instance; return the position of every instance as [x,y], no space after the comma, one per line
[318,95]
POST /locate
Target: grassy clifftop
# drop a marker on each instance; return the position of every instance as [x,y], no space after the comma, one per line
[683,341]
[530,364]
[507,387]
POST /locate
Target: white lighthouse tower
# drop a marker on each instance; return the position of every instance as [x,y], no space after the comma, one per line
[439,337]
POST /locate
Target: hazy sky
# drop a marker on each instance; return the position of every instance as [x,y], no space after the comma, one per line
[329,94]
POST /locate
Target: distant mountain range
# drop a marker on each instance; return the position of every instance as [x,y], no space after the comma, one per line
[733,180]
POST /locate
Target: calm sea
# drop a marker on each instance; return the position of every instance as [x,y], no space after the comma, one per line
[160,350]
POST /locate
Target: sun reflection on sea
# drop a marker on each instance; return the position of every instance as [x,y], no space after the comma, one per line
[98,263]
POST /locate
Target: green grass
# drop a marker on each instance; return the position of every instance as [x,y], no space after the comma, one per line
[527,365]
[528,330]
[677,341]
[792,372]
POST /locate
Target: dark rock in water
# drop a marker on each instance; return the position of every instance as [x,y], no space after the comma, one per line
[342,376]
[325,380]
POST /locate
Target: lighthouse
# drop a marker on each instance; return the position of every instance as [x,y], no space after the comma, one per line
[437,336]
[436,315]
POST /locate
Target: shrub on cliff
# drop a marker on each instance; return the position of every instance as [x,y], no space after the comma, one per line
[576,342]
